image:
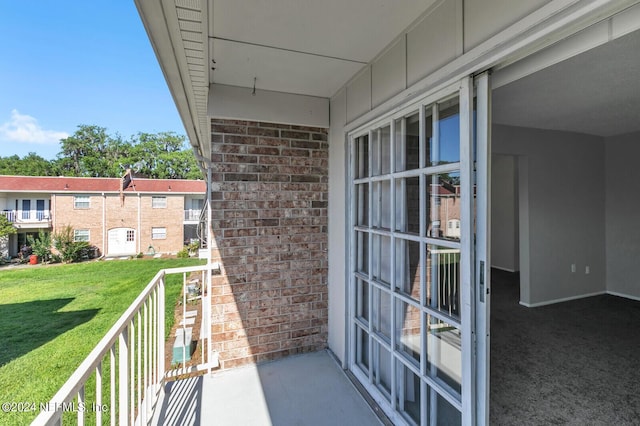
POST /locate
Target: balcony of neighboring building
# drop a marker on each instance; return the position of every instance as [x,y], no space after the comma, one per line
[193,209]
[192,216]
[28,219]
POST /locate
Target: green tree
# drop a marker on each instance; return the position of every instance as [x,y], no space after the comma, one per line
[92,152]
[84,152]
[30,165]
[6,227]
[163,155]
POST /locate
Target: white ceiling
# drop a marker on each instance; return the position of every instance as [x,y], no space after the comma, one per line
[596,92]
[317,47]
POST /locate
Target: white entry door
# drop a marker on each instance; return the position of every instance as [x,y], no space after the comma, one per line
[121,241]
[418,293]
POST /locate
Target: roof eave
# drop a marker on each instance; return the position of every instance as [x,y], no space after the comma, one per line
[161,23]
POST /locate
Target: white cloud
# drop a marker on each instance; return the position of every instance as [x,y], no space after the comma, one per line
[23,128]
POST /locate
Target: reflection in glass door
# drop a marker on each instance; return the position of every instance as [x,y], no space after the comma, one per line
[410,332]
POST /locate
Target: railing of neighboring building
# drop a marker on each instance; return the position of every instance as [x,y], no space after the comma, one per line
[133,351]
[17,216]
[445,280]
[192,215]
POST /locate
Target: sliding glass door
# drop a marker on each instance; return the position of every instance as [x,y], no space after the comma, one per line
[412,320]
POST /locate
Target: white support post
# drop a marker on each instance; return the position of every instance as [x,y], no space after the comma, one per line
[161,333]
[81,406]
[141,412]
[207,300]
[123,370]
[99,394]
[145,357]
[132,377]
[112,392]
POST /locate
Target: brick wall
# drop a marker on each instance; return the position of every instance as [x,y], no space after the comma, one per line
[117,215]
[270,224]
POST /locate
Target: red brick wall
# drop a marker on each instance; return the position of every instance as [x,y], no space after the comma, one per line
[270,224]
[136,213]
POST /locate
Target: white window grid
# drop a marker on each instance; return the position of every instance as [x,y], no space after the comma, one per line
[158,233]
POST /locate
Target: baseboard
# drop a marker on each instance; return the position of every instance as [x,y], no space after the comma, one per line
[564,299]
[503,269]
[626,296]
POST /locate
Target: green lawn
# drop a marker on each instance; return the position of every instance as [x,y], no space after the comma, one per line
[51,317]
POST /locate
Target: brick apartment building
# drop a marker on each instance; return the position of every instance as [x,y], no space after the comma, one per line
[150,216]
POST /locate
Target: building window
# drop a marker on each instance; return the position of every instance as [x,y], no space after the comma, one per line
[158,233]
[159,202]
[81,202]
[81,235]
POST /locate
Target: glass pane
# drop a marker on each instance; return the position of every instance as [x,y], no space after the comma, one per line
[362,241]
[362,204]
[382,368]
[443,212]
[385,204]
[382,204]
[381,262]
[408,270]
[428,137]
[362,302]
[441,411]
[446,147]
[444,354]
[375,153]
[408,392]
[408,330]
[385,150]
[408,205]
[446,413]
[362,157]
[443,280]
[407,143]
[362,349]
[382,312]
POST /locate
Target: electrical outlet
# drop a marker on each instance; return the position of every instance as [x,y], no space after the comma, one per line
[573,267]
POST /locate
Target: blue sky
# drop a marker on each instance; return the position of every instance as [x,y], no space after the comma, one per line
[66,63]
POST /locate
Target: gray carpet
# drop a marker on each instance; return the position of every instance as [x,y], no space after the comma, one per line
[572,363]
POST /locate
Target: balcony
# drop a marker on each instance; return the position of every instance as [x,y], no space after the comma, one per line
[26,219]
[126,379]
[192,215]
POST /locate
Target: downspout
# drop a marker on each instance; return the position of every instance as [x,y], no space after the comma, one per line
[104,223]
[139,221]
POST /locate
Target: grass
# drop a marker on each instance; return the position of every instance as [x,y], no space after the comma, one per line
[52,317]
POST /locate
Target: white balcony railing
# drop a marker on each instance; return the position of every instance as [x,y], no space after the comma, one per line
[133,350]
[27,216]
[445,280]
[192,215]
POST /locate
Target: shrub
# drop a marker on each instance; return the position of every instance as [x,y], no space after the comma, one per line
[183,254]
[70,250]
[41,246]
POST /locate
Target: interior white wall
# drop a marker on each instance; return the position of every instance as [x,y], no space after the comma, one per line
[504,213]
[622,207]
[566,214]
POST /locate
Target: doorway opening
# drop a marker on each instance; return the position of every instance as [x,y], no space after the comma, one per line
[567,255]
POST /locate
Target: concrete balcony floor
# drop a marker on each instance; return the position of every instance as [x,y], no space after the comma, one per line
[309,389]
